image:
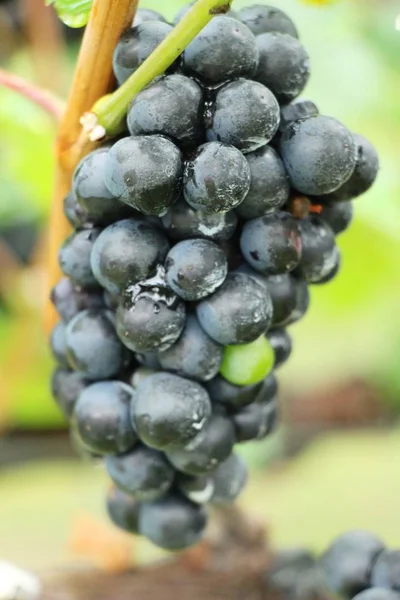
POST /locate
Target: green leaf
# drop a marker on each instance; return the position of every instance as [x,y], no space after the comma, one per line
[74,13]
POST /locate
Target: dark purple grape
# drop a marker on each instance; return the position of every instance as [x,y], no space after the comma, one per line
[281,343]
[302,302]
[297,111]
[261,18]
[223,50]
[255,421]
[170,106]
[136,45]
[66,386]
[68,299]
[196,489]
[282,289]
[195,355]
[182,222]
[335,262]
[238,312]
[74,257]
[123,510]
[169,411]
[229,480]
[318,254]
[386,570]
[230,396]
[216,179]
[245,114]
[272,244]
[145,172]
[127,252]
[269,186]
[338,215]
[195,268]
[142,473]
[319,155]
[75,213]
[58,345]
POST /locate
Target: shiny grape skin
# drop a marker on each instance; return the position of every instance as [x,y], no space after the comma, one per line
[145,172]
[284,65]
[98,204]
[66,385]
[68,299]
[225,49]
[127,252]
[281,343]
[272,244]
[102,417]
[123,510]
[195,268]
[260,18]
[74,257]
[170,106]
[183,222]
[238,312]
[338,215]
[229,480]
[244,114]
[143,473]
[135,45]
[93,347]
[319,155]
[216,178]
[269,186]
[195,355]
[318,254]
[255,421]
[173,523]
[169,411]
[230,396]
[203,455]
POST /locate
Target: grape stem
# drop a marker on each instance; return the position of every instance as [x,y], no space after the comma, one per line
[53,105]
[108,114]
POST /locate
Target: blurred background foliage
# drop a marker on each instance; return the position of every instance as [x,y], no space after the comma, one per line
[345,368]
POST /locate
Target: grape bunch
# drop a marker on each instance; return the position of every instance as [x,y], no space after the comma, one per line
[196,237]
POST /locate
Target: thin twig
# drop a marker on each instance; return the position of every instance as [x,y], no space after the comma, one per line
[47,100]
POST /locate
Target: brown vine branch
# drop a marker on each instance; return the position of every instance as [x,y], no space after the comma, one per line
[53,105]
[93,79]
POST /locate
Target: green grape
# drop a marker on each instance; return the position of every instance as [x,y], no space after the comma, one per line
[247,364]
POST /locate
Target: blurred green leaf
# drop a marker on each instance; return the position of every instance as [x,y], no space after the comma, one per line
[74,13]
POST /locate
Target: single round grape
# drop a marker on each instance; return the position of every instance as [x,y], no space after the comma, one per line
[127,252]
[93,346]
[346,565]
[196,489]
[284,65]
[172,523]
[255,421]
[229,480]
[136,45]
[66,386]
[185,9]
[269,187]
[68,299]
[246,364]
[245,114]
[272,244]
[150,320]
[261,18]
[170,106]
[268,390]
[74,257]
[169,411]
[386,570]
[230,396]
[302,302]
[281,343]
[338,215]
[123,510]
[145,172]
[75,213]
[195,355]
[223,50]
[102,417]
[143,473]
[363,176]
[334,262]
[146,14]
[237,313]
[377,593]
[91,192]
[297,111]
[282,290]
[195,268]
[318,243]
[216,179]
[213,445]
[319,155]
[182,222]
[58,345]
